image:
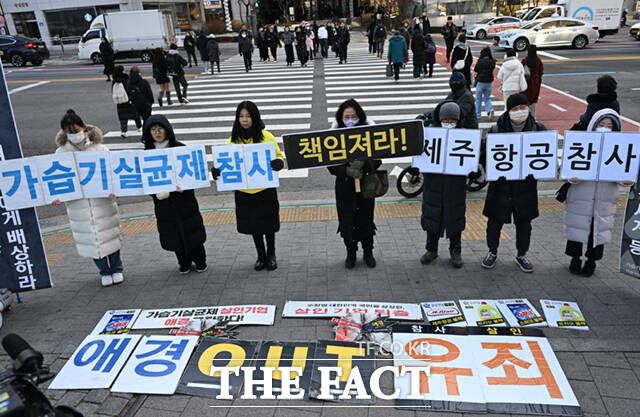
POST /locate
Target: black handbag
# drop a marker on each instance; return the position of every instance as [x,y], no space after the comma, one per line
[375,184]
[389,70]
[561,194]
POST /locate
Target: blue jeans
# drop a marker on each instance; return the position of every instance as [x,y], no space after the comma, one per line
[124,123]
[483,93]
[324,48]
[110,264]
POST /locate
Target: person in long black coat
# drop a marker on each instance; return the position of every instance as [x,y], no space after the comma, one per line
[272,41]
[355,213]
[201,43]
[429,55]
[301,46]
[444,197]
[517,199]
[141,94]
[604,98]
[417,47]
[463,98]
[190,48]
[126,111]
[178,217]
[108,57]
[462,52]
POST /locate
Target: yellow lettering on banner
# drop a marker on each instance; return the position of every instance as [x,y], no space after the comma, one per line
[275,355]
[238,355]
[344,358]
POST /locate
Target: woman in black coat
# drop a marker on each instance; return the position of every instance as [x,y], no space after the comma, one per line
[355,213]
[201,43]
[108,57]
[161,75]
[141,94]
[178,217]
[417,47]
[429,55]
[444,198]
[126,111]
[301,46]
[462,52]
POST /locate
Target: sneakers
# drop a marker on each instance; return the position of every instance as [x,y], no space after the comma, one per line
[524,264]
[118,278]
[456,258]
[201,269]
[575,267]
[489,260]
[123,134]
[107,280]
[428,257]
[491,115]
[185,101]
[184,270]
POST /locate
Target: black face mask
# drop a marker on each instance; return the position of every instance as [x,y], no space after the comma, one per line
[456,85]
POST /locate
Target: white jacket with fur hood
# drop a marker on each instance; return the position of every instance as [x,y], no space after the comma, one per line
[95,222]
[512,75]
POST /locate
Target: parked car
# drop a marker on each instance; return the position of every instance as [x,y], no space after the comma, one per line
[634,30]
[555,31]
[491,26]
[19,50]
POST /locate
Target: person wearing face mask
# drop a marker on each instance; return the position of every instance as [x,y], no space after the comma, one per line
[590,208]
[444,198]
[355,213]
[180,226]
[464,99]
[511,74]
[257,210]
[518,198]
[245,48]
[95,222]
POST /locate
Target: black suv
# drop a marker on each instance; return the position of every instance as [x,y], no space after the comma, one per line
[19,50]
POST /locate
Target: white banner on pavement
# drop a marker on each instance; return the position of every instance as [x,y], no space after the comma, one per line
[156,365]
[398,311]
[177,317]
[96,362]
[564,314]
[518,155]
[449,151]
[443,313]
[245,167]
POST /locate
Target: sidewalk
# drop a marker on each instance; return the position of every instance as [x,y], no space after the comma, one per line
[602,364]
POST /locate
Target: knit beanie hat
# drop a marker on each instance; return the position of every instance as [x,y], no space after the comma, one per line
[517,100]
[449,110]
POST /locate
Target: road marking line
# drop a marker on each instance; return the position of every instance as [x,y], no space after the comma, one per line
[28,86]
[578,73]
[196,101]
[554,56]
[636,89]
[555,106]
[191,110]
[195,130]
[231,118]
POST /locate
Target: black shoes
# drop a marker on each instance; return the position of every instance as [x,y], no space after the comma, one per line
[589,268]
[369,260]
[428,257]
[456,258]
[259,265]
[271,263]
[350,262]
[575,267]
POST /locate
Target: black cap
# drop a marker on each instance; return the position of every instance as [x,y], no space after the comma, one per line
[517,100]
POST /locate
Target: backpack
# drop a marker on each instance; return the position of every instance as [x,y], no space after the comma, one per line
[172,66]
[429,47]
[380,32]
[119,94]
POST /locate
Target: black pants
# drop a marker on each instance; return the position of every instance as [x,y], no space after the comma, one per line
[259,241]
[247,60]
[396,70]
[455,241]
[288,50]
[593,253]
[274,52]
[449,43]
[367,244]
[217,64]
[523,235]
[192,53]
[343,53]
[179,80]
[264,53]
[197,256]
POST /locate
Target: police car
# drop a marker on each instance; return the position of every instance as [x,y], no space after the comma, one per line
[491,26]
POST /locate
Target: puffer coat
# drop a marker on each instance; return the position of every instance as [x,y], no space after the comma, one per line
[512,75]
[95,222]
[589,200]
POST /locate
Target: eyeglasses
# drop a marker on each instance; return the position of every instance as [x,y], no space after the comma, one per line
[157,129]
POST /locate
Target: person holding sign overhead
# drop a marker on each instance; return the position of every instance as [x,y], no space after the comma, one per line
[355,212]
[257,210]
[95,222]
[444,198]
[590,207]
[178,217]
[518,198]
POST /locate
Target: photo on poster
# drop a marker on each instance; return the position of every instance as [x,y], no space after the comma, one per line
[564,314]
[285,354]
[443,313]
[520,313]
[116,321]
[482,313]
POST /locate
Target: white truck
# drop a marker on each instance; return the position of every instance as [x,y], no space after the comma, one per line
[603,14]
[133,34]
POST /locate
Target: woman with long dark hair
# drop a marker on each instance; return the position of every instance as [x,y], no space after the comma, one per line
[355,213]
[257,210]
[533,70]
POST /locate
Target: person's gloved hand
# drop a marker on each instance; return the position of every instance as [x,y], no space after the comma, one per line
[406,59]
[277,164]
[354,169]
[389,59]
[215,173]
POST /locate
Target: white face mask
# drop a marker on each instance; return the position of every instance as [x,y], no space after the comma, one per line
[449,125]
[244,35]
[350,122]
[519,116]
[603,129]
[76,138]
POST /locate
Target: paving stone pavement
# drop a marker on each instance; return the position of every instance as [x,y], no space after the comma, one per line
[602,364]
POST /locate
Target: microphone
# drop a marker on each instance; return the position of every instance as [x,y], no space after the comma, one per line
[25,358]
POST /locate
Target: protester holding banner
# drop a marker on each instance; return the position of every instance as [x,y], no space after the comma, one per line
[590,207]
[518,198]
[178,217]
[355,213]
[95,222]
[444,198]
[464,99]
[257,210]
[126,110]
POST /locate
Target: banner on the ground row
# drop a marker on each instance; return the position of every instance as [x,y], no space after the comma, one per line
[279,355]
[479,370]
[116,321]
[515,156]
[591,156]
[67,176]
[630,244]
[449,151]
[177,317]
[564,314]
[338,146]
[397,311]
[22,254]
[245,167]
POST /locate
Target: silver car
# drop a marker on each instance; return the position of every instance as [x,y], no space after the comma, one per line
[554,31]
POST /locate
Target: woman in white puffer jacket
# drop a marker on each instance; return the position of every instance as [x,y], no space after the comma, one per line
[512,75]
[95,222]
[590,208]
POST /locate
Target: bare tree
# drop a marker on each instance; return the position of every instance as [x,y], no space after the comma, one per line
[283,6]
[246,4]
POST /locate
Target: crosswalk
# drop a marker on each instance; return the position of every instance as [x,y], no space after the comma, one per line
[287,98]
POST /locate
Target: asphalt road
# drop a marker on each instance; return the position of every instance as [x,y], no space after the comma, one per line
[41,95]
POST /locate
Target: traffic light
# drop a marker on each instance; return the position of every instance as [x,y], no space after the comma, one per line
[256,5]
